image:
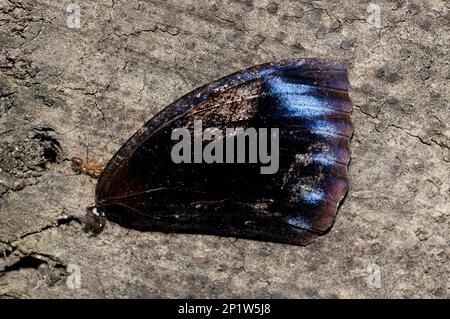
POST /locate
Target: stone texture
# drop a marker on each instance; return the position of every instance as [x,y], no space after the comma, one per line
[70,91]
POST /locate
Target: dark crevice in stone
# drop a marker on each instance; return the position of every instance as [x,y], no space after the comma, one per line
[24,262]
[51,148]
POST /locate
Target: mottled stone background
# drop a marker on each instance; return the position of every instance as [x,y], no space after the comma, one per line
[66,90]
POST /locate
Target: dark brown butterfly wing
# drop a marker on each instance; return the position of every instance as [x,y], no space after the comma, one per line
[142,188]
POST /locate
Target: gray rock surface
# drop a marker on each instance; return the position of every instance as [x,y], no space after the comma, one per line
[66,90]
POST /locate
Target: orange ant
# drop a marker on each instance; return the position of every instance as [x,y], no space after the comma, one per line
[79,165]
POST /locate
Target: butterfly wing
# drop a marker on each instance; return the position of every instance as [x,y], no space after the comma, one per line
[307,100]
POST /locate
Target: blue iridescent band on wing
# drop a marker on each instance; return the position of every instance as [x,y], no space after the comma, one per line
[312,108]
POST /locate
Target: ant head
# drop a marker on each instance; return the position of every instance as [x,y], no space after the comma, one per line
[76,161]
